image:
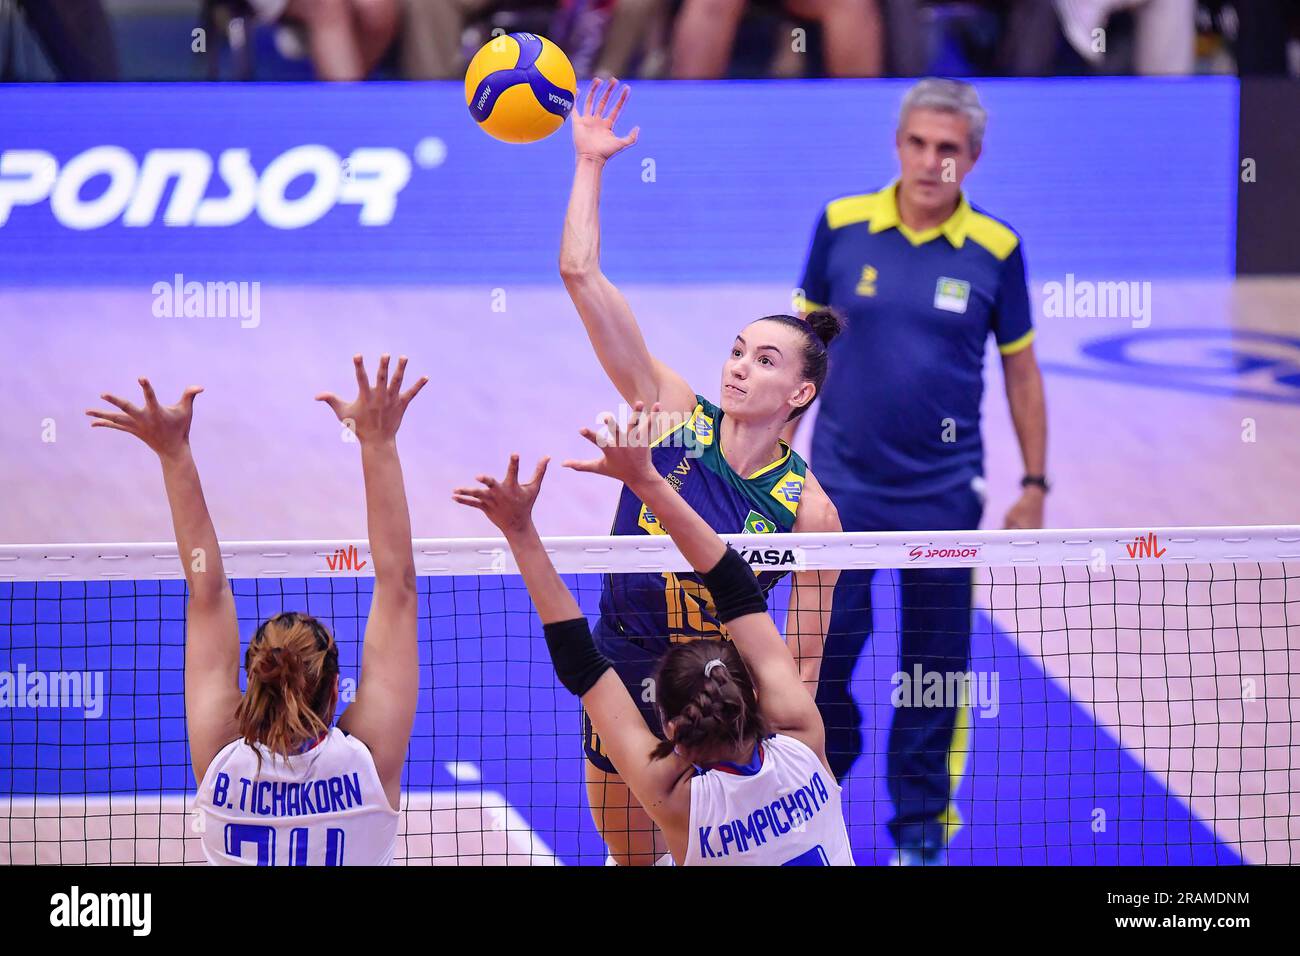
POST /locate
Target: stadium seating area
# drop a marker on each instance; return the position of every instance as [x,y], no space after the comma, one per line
[290,40]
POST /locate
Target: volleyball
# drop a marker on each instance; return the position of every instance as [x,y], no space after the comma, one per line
[519,87]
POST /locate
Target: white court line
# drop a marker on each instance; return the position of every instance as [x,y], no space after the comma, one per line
[437,827]
[1160,664]
[464,772]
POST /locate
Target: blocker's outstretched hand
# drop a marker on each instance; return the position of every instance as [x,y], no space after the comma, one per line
[593,129]
[626,452]
[164,428]
[507,503]
[376,413]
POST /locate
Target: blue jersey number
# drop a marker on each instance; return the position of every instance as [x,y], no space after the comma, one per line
[263,837]
[814,857]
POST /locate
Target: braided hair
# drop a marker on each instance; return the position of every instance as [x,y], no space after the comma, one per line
[711,705]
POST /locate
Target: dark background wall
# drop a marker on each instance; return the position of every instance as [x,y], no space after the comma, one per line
[1268,209]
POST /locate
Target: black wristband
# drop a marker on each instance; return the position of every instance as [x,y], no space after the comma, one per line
[734,588]
[1038,481]
[578,664]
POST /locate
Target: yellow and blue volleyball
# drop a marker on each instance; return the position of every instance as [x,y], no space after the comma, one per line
[519,87]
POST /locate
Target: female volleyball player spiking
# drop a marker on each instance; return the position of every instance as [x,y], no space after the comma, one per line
[727,461]
[277,783]
[742,776]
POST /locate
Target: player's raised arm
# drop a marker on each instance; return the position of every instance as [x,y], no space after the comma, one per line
[384,710]
[610,324]
[211,627]
[580,666]
[785,702]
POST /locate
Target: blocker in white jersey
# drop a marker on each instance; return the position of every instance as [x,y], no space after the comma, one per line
[783,809]
[278,783]
[718,701]
[323,807]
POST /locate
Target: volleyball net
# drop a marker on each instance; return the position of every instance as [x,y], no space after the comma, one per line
[1047,697]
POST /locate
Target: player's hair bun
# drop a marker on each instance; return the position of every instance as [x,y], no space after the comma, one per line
[293,666]
[826,324]
[280,667]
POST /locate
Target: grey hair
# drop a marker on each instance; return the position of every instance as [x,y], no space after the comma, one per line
[948,96]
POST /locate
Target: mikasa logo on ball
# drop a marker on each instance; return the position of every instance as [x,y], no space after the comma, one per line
[519,87]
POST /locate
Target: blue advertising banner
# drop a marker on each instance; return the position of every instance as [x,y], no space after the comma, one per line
[393,184]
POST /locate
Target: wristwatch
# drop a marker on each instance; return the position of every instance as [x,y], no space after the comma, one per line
[1039,481]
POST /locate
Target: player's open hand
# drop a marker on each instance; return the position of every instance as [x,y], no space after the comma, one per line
[164,428]
[625,451]
[593,129]
[376,413]
[507,503]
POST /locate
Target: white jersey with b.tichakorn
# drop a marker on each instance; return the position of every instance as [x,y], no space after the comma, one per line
[782,810]
[323,807]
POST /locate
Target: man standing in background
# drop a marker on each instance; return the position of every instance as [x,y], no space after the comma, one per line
[922,278]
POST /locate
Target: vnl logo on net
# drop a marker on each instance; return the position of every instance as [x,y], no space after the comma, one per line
[368,177]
